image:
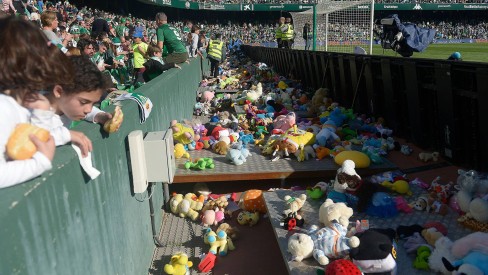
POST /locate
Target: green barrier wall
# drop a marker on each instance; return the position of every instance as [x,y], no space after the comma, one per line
[64,223]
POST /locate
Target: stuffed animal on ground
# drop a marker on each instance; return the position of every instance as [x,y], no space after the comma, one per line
[442,250]
[238,154]
[399,186]
[300,139]
[321,152]
[178,265]
[322,244]
[221,202]
[282,149]
[406,150]
[182,133]
[284,122]
[426,203]
[472,197]
[212,217]
[200,164]
[440,192]
[253,200]
[248,218]
[304,153]
[327,135]
[181,207]
[216,240]
[474,263]
[318,191]
[330,212]
[220,148]
[425,156]
[180,151]
[347,176]
[294,204]
[231,235]
[431,235]
[196,202]
[422,260]
[375,253]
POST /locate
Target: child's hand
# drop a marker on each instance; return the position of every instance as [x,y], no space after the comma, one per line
[46,148]
[102,117]
[177,66]
[82,141]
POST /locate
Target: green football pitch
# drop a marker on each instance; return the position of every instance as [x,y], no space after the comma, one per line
[477,52]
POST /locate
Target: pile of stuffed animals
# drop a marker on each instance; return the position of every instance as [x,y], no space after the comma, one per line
[374,250]
[211,211]
[284,120]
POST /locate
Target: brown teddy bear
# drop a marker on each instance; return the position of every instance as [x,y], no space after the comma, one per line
[220,147]
[319,101]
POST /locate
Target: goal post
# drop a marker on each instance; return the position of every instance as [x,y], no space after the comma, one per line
[341,26]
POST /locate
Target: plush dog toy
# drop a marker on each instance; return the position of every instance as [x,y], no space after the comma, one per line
[178,265]
[322,244]
[425,156]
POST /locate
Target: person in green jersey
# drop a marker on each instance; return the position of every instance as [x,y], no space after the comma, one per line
[169,37]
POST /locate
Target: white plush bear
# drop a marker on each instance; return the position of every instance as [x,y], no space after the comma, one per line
[322,244]
[294,204]
[330,211]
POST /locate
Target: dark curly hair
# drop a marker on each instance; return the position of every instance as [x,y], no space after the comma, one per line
[87,77]
[29,62]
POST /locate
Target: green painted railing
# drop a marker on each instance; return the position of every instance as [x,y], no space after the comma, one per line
[64,223]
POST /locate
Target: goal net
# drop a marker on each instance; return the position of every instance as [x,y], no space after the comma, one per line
[342,26]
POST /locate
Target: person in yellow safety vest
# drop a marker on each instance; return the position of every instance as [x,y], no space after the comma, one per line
[287,34]
[278,32]
[216,54]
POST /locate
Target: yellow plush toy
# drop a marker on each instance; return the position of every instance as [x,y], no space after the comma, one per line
[180,151]
[300,139]
[399,186]
[217,241]
[182,133]
[179,265]
[181,206]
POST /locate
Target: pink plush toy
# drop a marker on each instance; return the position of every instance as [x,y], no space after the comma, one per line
[212,217]
[402,205]
[475,241]
[207,96]
[284,122]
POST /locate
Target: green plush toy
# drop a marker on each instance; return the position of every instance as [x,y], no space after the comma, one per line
[200,164]
[422,260]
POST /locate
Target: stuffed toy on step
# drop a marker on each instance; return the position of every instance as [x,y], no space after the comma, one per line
[248,218]
[331,212]
[323,244]
[182,133]
[216,240]
[178,265]
[376,252]
[294,204]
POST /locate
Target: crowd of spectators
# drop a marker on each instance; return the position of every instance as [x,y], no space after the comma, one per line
[319,1]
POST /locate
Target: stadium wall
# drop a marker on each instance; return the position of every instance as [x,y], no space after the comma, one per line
[436,104]
[64,223]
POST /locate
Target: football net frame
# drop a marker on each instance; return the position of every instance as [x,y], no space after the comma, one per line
[341,26]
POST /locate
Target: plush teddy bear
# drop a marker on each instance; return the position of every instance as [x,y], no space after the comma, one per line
[178,265]
[330,211]
[216,240]
[294,204]
[328,242]
[220,148]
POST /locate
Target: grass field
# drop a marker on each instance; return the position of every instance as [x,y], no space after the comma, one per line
[470,52]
